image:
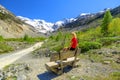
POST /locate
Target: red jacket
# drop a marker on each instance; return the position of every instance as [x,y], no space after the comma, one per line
[74,42]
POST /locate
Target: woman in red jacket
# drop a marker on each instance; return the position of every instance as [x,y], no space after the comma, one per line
[74,41]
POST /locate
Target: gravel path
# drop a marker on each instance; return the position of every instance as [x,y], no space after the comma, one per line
[11,57]
[39,72]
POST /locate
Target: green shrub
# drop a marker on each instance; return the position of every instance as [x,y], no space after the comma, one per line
[25,38]
[86,46]
[39,39]
[114,76]
[51,37]
[114,27]
[108,40]
[28,39]
[5,48]
[57,48]
[1,38]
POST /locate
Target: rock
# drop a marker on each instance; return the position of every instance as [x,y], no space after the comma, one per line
[21,77]
[81,79]
[118,60]
[118,42]
[99,52]
[15,70]
[106,62]
[92,60]
[17,47]
[114,52]
[1,75]
[73,77]
[109,55]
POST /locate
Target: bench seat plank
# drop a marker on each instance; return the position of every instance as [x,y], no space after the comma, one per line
[56,64]
[71,60]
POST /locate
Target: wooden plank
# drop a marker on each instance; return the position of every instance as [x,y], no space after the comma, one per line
[52,64]
[54,57]
[56,64]
[71,60]
[64,55]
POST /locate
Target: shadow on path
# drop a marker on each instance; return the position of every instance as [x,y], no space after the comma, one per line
[47,76]
[50,75]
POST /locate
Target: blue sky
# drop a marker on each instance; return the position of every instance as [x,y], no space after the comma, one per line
[54,10]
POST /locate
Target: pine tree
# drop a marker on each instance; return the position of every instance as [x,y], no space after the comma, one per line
[105,23]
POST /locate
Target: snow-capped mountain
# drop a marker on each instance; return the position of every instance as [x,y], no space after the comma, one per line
[43,26]
[59,24]
[46,27]
[86,15]
[40,25]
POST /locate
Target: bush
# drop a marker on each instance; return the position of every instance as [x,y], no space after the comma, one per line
[25,38]
[86,46]
[1,38]
[114,27]
[57,48]
[28,39]
[108,40]
[5,48]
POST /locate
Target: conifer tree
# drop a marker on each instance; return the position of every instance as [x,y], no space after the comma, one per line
[105,23]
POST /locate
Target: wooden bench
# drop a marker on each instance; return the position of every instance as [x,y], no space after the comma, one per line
[62,59]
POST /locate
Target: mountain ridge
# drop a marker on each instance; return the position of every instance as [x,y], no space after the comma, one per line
[18,26]
[45,27]
[92,20]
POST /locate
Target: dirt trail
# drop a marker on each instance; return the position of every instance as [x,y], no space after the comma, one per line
[11,57]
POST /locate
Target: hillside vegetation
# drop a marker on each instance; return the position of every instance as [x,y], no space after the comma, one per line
[99,45]
[12,44]
[92,38]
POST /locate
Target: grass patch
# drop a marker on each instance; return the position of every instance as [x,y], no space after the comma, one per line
[111,76]
[1,38]
[106,41]
[73,77]
[115,65]
[86,46]
[83,56]
[27,38]
[5,48]
[11,78]
[96,57]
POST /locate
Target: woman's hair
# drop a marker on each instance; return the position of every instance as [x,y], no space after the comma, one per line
[74,34]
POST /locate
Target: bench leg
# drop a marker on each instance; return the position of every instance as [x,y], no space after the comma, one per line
[55,70]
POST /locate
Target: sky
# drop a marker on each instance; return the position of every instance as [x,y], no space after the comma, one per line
[55,10]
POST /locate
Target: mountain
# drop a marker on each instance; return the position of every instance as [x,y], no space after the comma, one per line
[82,21]
[12,27]
[18,26]
[59,24]
[40,25]
[45,27]
[86,20]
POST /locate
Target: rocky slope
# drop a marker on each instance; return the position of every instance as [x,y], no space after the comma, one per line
[12,27]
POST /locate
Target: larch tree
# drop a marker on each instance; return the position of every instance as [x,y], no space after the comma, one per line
[105,23]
